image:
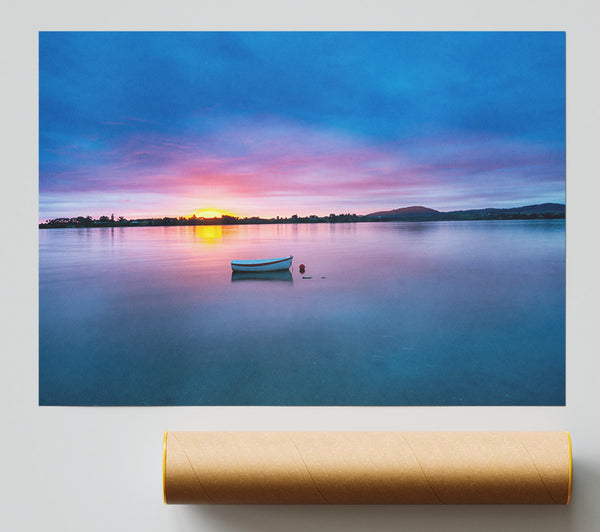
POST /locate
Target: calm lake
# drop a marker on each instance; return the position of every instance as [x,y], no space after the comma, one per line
[423,313]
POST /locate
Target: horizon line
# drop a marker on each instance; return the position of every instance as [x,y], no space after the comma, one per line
[225,215]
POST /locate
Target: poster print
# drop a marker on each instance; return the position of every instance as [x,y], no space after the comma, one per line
[400,198]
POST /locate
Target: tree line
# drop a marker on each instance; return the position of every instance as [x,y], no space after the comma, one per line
[106,221]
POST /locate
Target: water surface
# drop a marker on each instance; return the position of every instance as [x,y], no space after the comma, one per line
[431,313]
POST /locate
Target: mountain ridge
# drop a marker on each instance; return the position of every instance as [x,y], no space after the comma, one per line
[418,211]
[414,209]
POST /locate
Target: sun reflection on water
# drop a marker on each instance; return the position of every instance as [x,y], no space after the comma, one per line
[209,234]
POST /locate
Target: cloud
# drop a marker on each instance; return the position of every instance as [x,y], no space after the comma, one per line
[302,120]
[273,159]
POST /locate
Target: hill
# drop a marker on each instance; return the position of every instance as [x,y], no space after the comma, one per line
[414,211]
[526,212]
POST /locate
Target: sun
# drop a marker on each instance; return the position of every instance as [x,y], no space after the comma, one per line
[211,213]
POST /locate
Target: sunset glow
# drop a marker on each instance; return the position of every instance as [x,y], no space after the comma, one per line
[275,124]
[211,213]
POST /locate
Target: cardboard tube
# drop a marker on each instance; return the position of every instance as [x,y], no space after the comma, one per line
[367,467]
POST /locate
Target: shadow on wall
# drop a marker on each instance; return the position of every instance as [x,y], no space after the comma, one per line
[383,518]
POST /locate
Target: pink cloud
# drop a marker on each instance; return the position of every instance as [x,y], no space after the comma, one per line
[285,166]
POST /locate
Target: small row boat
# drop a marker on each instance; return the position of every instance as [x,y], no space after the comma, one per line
[262,265]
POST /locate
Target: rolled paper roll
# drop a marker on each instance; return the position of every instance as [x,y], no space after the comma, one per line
[367,467]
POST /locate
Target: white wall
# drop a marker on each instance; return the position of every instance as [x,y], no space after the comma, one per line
[97,469]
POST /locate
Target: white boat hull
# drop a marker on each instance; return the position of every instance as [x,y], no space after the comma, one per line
[265,265]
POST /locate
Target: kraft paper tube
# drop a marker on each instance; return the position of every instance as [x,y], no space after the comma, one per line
[367,467]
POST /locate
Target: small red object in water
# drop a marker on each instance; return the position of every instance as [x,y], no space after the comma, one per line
[302,267]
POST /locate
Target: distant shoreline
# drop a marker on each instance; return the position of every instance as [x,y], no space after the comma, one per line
[400,215]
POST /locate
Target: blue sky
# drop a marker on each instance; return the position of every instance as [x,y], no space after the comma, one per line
[168,124]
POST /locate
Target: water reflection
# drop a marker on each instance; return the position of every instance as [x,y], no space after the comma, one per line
[415,227]
[281,276]
[209,234]
[432,313]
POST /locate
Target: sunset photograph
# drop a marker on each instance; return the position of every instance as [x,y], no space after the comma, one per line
[302,218]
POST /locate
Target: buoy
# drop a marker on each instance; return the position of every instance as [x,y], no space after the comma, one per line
[302,268]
